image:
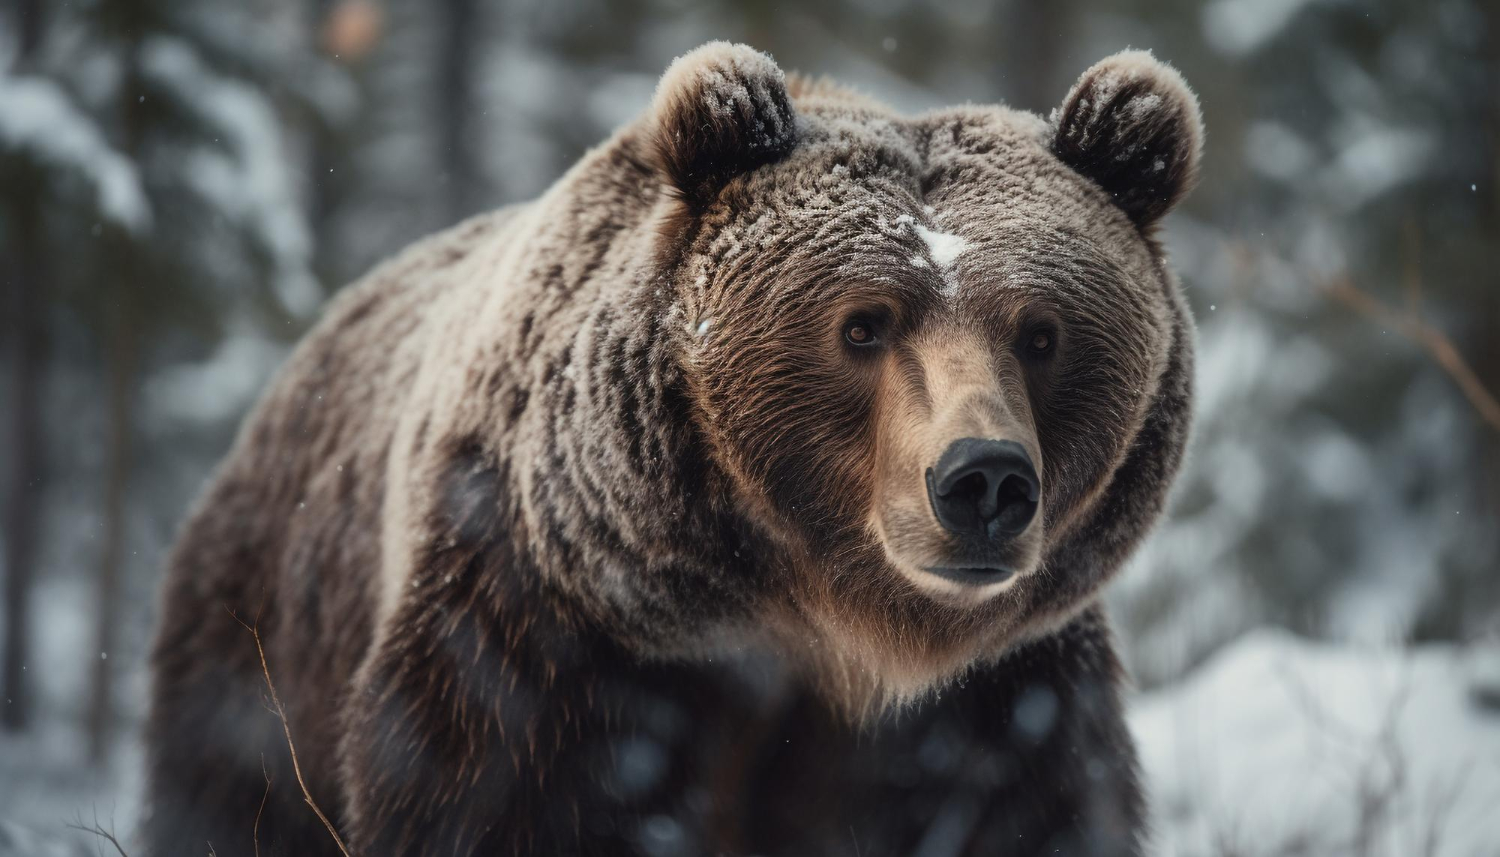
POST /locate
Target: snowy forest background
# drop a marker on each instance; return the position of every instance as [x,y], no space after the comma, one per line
[1314,634]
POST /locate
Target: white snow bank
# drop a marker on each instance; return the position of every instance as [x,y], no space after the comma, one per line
[1280,746]
[38,117]
[47,787]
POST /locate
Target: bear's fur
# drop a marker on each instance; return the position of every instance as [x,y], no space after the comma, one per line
[594,526]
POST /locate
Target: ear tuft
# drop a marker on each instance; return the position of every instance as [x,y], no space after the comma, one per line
[1132,124]
[720,111]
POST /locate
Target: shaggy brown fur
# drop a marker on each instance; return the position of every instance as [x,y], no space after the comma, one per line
[585,528]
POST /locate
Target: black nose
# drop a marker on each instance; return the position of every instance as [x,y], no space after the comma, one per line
[984,487]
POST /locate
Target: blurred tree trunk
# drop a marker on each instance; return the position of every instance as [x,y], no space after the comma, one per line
[26,354]
[1035,35]
[1487,337]
[321,205]
[332,180]
[122,356]
[456,101]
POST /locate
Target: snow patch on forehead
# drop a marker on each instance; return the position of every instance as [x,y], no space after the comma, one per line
[943,247]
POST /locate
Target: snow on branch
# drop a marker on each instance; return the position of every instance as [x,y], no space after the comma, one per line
[38,118]
[250,180]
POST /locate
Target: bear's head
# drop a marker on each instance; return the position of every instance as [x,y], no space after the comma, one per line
[940,361]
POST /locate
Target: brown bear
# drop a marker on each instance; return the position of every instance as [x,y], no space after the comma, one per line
[749,492]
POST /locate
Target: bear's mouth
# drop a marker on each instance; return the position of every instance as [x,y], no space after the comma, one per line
[973,575]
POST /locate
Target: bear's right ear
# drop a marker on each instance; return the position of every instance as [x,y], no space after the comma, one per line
[720,111]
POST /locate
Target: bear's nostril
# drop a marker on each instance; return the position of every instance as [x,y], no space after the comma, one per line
[1015,503]
[984,487]
[973,489]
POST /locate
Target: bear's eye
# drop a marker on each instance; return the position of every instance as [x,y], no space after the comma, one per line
[1039,342]
[861,332]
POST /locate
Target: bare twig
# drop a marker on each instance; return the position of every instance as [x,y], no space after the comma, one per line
[1382,778]
[98,830]
[1437,344]
[286,728]
[255,831]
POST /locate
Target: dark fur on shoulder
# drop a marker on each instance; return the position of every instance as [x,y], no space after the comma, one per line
[591,527]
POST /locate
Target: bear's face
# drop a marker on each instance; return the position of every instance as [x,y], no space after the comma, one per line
[921,349]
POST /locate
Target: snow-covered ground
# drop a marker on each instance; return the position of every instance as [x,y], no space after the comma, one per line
[1282,746]
[48,790]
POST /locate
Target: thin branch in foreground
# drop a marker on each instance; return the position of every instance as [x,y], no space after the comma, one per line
[98,830]
[286,728]
[255,831]
[1434,341]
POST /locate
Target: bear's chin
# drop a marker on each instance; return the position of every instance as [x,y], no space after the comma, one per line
[872,640]
[967,575]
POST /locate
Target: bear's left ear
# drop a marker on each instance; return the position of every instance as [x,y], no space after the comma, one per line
[1131,124]
[720,111]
